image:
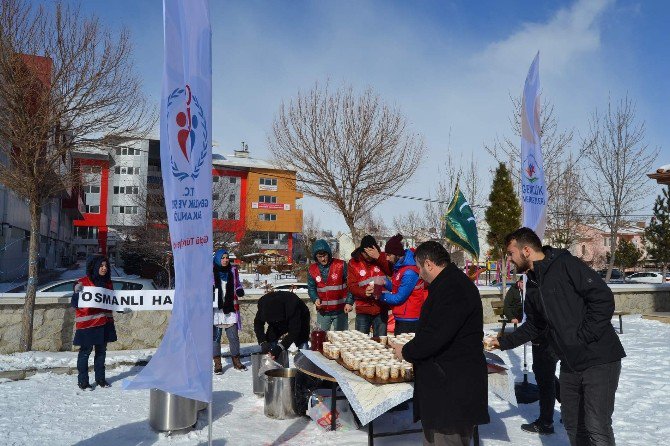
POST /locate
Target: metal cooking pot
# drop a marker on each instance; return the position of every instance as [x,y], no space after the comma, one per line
[282,398]
[169,412]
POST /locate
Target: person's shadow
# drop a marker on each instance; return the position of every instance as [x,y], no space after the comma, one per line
[140,433]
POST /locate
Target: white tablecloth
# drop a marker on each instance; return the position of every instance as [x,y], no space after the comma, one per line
[372,400]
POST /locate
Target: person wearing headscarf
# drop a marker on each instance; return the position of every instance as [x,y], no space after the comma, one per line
[94,326]
[227,288]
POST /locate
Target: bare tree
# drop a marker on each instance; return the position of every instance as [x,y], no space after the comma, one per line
[66,80]
[618,159]
[311,229]
[410,225]
[567,207]
[349,149]
[555,144]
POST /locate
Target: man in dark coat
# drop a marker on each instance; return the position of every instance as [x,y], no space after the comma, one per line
[451,383]
[287,318]
[575,307]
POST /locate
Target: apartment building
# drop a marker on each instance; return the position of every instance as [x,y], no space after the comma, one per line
[124,181]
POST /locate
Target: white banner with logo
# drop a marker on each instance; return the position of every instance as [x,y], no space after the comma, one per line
[534,194]
[182,365]
[136,300]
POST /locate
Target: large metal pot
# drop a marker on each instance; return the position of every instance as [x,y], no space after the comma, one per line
[282,398]
[169,412]
[259,360]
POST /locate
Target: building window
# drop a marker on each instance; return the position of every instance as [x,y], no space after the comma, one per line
[120,170]
[215,215]
[124,210]
[91,189]
[91,169]
[86,232]
[231,197]
[267,199]
[232,216]
[267,217]
[232,180]
[215,197]
[268,181]
[92,209]
[128,190]
[215,178]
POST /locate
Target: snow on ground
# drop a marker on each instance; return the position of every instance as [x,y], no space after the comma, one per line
[48,408]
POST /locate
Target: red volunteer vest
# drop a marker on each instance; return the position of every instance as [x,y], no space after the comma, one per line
[411,309]
[332,291]
[91,317]
[363,273]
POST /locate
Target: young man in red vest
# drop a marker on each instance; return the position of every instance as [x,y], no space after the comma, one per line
[367,267]
[407,291]
[327,288]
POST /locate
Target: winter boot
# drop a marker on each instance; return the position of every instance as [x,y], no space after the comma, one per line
[238,364]
[103,383]
[85,386]
[218,368]
[538,427]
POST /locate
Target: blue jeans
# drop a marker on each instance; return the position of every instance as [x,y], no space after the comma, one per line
[233,341]
[339,321]
[98,362]
[378,323]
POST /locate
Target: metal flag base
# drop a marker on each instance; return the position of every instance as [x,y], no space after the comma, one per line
[526,393]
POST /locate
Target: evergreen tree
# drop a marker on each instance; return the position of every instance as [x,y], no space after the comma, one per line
[627,255]
[503,214]
[657,234]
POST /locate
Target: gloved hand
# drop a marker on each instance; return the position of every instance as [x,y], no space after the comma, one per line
[265,347]
[78,287]
[276,351]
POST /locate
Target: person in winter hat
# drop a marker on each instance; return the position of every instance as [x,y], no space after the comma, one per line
[327,288]
[95,326]
[227,288]
[406,290]
[368,266]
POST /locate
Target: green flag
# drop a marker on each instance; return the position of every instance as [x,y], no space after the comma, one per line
[460,225]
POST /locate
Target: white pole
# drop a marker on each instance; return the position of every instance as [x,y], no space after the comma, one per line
[210,422]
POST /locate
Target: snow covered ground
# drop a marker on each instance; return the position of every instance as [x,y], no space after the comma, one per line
[47,408]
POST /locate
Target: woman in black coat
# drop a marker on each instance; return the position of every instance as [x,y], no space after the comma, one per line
[451,383]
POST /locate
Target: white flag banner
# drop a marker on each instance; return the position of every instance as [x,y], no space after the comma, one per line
[533,188]
[135,300]
[182,365]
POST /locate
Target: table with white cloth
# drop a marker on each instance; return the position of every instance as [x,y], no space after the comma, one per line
[369,401]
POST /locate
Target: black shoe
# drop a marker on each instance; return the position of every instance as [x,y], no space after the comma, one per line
[537,427]
[86,386]
[103,383]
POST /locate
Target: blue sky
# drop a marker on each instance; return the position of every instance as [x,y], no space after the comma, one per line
[449,66]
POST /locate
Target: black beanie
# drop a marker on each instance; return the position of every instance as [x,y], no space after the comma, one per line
[368,242]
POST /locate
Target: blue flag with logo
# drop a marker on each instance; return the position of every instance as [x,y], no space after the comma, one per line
[182,365]
[534,194]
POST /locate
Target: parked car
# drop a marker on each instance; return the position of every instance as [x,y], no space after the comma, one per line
[616,277]
[119,283]
[646,277]
[297,286]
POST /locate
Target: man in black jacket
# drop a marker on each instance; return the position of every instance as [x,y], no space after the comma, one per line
[287,318]
[451,382]
[574,304]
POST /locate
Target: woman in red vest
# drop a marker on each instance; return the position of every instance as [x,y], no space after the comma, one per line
[95,326]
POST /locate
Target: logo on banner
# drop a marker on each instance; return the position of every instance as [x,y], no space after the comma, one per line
[530,167]
[186,120]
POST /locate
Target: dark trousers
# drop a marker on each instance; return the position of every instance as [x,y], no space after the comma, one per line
[544,368]
[587,403]
[98,362]
[378,323]
[448,437]
[405,327]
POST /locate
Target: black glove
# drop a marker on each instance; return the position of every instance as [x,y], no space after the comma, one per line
[239,292]
[276,351]
[265,347]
